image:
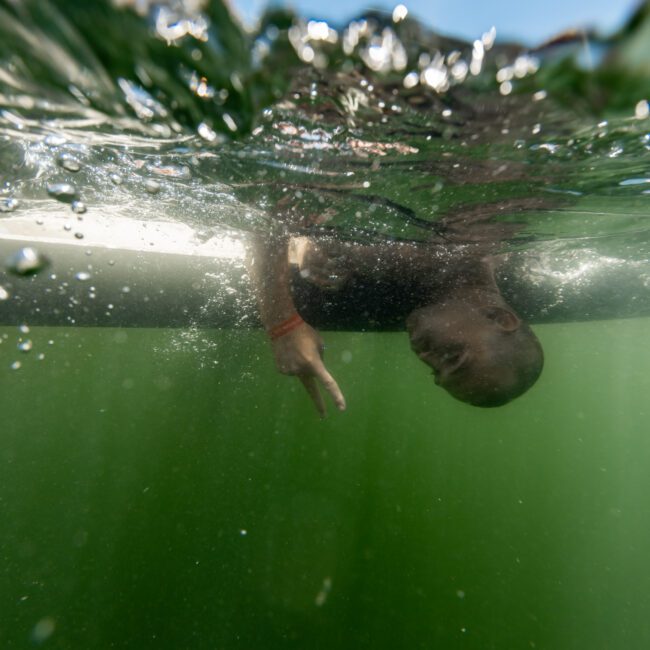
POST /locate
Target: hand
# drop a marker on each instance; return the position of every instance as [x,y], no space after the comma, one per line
[300,352]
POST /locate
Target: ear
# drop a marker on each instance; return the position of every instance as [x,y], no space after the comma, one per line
[505,319]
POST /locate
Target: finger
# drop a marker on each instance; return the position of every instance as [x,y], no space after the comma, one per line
[311,387]
[330,385]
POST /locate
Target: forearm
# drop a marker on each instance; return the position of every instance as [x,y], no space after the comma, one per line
[297,347]
[268,267]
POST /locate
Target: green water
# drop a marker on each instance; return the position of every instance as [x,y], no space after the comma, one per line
[168,489]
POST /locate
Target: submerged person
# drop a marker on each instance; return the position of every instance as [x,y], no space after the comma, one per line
[478,348]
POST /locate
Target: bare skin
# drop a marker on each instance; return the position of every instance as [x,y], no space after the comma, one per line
[478,348]
[299,352]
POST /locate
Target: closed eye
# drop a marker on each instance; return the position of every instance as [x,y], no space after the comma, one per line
[454,361]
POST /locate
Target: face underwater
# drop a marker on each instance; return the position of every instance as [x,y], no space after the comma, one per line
[483,355]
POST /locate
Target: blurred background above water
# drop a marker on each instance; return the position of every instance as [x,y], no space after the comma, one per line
[376,129]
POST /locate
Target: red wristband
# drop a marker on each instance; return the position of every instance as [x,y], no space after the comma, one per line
[285,327]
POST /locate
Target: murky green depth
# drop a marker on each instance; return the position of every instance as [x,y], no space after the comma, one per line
[167,489]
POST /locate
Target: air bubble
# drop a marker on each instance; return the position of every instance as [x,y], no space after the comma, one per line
[68,162]
[151,186]
[26,261]
[78,207]
[82,276]
[25,346]
[4,294]
[65,192]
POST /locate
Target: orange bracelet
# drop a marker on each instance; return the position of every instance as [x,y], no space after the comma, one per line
[285,326]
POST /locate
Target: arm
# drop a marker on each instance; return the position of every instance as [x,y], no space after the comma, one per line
[297,347]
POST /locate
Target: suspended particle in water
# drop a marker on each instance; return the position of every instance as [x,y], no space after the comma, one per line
[346,356]
[78,207]
[65,192]
[25,346]
[26,261]
[4,294]
[43,630]
[151,186]
[243,532]
[8,204]
[24,329]
[82,276]
[41,356]
[321,596]
[79,235]
[68,162]
[16,365]
[126,289]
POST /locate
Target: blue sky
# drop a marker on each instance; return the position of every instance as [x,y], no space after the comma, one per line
[523,20]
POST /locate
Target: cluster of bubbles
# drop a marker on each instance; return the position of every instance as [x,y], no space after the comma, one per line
[24,345]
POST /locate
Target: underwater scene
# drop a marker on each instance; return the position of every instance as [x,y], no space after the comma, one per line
[321,335]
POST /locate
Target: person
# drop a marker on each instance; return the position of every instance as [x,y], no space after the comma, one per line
[478,348]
